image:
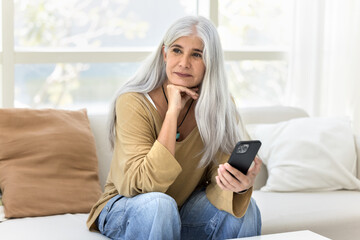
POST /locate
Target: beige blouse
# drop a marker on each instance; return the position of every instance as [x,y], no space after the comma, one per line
[141,164]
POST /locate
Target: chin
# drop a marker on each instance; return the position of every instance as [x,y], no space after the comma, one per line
[185,84]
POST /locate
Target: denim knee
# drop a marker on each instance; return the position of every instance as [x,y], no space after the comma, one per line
[156,216]
[251,221]
[145,216]
[229,226]
[153,202]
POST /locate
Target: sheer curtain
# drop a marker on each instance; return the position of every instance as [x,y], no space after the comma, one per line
[324,76]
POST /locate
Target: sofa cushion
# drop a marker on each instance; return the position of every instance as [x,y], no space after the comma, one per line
[332,214]
[308,154]
[57,227]
[48,162]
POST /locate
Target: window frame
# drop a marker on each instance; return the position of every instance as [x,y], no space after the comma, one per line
[10,56]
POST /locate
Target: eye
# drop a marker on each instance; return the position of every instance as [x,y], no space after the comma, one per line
[176,50]
[197,55]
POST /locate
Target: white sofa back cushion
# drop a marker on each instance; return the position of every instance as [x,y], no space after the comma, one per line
[308,154]
[275,114]
[99,127]
[254,115]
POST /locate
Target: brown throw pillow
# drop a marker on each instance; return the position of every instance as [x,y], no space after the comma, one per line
[48,162]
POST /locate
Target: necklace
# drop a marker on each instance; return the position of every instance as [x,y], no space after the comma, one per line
[177,129]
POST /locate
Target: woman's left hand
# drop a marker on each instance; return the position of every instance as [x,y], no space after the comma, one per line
[238,182]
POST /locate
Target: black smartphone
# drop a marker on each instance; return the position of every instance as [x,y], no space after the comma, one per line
[244,154]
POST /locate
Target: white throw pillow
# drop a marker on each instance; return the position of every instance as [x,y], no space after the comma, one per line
[307,154]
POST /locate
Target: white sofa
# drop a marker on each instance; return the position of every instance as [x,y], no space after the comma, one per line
[335,214]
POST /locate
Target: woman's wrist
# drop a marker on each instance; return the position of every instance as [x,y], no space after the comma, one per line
[172,114]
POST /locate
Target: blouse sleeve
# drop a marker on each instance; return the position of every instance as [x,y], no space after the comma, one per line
[140,163]
[234,203]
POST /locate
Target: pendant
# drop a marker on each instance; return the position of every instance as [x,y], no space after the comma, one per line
[177,136]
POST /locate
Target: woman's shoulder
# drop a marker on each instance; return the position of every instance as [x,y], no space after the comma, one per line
[130,96]
[133,101]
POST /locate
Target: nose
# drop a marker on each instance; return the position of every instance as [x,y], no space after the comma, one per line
[185,61]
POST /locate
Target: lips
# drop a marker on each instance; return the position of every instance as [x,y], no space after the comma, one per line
[183,75]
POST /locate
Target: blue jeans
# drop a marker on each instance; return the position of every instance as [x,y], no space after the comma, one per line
[156,216]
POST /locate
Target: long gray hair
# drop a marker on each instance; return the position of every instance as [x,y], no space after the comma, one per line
[215,112]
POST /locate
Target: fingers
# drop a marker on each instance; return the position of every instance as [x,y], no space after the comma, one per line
[178,96]
[245,182]
[255,169]
[231,179]
[226,179]
[219,183]
[236,173]
[192,93]
[228,182]
[184,92]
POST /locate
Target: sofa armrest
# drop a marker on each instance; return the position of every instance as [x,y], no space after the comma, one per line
[357,146]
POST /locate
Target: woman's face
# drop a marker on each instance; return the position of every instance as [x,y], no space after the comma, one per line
[184,62]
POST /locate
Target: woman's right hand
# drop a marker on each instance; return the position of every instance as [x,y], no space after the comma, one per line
[178,96]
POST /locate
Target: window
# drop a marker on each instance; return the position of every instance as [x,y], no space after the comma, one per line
[260,23]
[95,24]
[70,85]
[75,54]
[1,38]
[256,34]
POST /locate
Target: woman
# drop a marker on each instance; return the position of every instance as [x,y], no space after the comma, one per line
[173,127]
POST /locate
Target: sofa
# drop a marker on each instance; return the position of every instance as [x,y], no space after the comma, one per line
[334,214]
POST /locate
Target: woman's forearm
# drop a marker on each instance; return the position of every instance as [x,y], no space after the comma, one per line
[167,135]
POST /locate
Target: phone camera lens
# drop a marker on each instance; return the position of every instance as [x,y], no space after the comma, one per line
[242,148]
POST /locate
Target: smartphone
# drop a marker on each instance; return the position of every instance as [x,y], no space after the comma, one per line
[244,154]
